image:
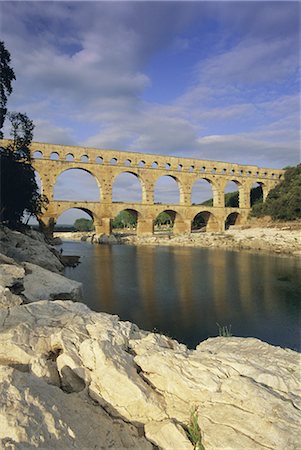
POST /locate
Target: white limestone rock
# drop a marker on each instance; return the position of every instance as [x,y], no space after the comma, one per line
[34,414]
[246,393]
[41,284]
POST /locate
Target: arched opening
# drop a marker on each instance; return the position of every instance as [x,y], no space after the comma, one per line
[125,222]
[154,165]
[200,221]
[69,157]
[203,221]
[232,194]
[202,192]
[167,190]
[99,160]
[141,163]
[232,219]
[113,162]
[75,219]
[38,155]
[76,185]
[84,158]
[127,162]
[54,156]
[127,187]
[164,222]
[256,194]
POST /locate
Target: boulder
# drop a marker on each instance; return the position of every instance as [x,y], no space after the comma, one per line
[41,284]
[244,393]
[22,248]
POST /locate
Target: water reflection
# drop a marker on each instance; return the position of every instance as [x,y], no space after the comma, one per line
[185,292]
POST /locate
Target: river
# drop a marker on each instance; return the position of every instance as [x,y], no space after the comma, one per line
[186,292]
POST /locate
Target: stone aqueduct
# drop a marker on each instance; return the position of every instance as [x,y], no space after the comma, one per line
[106,165]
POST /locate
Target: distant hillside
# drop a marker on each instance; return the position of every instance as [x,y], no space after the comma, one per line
[284,201]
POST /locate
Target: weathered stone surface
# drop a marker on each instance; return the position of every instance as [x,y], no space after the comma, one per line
[22,248]
[246,393]
[34,414]
[42,284]
[8,299]
[167,435]
[11,276]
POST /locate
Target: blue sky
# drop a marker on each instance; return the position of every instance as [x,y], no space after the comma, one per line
[210,80]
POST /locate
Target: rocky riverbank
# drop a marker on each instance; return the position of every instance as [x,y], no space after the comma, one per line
[284,240]
[73,378]
[272,240]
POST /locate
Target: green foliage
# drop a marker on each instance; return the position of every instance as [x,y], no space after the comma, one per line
[83,224]
[7,75]
[18,188]
[194,431]
[208,202]
[284,201]
[224,330]
[163,219]
[124,219]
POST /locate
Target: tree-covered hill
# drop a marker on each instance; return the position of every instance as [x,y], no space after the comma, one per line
[284,201]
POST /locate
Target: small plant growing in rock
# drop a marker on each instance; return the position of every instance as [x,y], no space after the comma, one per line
[194,431]
[224,330]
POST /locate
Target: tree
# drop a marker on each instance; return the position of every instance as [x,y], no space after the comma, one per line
[18,187]
[284,201]
[83,224]
[124,219]
[7,75]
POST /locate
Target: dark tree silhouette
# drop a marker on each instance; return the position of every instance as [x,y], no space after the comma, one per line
[18,188]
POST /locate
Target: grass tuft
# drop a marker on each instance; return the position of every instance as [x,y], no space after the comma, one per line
[224,330]
[194,431]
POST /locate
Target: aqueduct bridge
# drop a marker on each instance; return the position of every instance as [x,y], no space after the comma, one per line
[50,160]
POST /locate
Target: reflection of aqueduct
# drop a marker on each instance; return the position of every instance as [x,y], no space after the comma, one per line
[105,165]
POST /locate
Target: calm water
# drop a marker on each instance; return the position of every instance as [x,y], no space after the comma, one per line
[185,292]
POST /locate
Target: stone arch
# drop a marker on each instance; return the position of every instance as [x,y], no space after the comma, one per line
[231,199]
[203,190]
[126,220]
[69,157]
[84,158]
[54,156]
[79,184]
[130,192]
[38,154]
[204,221]
[164,191]
[175,219]
[232,219]
[67,215]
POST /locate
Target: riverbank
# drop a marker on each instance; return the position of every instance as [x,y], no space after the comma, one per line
[74,378]
[282,240]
